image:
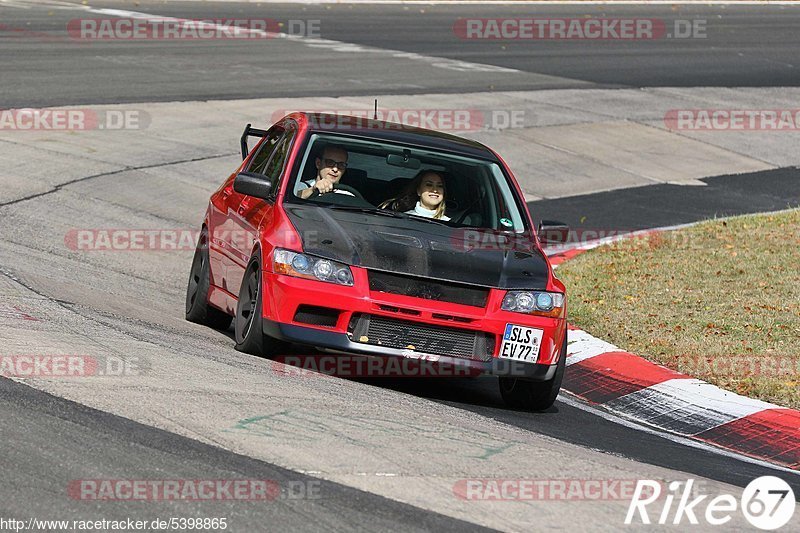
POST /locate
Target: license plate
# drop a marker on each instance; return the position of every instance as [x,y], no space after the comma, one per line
[521,343]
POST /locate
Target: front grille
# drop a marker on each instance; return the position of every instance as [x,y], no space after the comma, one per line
[439,340]
[428,289]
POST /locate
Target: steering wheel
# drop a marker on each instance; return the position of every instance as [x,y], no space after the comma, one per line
[470,206]
[340,187]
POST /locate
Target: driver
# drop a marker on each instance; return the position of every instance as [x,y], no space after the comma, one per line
[330,169]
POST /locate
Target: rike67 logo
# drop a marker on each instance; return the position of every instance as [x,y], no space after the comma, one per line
[767,503]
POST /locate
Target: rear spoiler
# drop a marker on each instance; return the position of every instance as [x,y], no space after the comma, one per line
[250,132]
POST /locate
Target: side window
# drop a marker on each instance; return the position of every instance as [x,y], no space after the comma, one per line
[276,164]
[259,163]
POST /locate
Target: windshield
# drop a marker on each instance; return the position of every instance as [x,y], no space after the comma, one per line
[419,183]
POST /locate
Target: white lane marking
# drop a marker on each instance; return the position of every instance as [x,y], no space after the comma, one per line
[582,346]
[686,406]
[616,418]
[49,4]
[313,42]
[511,3]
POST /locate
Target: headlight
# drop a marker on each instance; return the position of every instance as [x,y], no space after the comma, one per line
[309,267]
[541,303]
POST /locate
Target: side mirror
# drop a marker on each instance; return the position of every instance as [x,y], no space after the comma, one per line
[252,184]
[553,232]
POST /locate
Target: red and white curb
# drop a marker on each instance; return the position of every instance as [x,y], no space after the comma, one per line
[650,394]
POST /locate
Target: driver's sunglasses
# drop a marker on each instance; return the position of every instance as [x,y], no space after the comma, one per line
[338,164]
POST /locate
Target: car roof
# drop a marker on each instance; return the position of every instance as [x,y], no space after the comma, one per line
[390,131]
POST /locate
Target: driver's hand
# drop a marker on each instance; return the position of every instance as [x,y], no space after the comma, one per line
[324,185]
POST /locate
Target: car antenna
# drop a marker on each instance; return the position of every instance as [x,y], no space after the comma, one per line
[375,114]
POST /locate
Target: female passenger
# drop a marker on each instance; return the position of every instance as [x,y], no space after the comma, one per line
[427,188]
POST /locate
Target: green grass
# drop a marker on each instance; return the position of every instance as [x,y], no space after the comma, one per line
[719,301]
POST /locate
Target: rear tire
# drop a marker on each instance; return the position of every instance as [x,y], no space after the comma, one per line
[534,395]
[247,323]
[198,309]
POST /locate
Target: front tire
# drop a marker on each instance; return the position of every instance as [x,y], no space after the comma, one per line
[247,323]
[534,395]
[197,308]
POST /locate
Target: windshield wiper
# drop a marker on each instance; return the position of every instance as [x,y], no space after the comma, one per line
[432,220]
[386,213]
[370,210]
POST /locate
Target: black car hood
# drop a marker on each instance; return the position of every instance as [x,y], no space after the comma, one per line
[417,248]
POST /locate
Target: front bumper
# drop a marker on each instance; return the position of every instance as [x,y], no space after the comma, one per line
[284,295]
[331,340]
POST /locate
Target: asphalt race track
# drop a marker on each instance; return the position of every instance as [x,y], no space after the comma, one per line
[361,454]
[744,47]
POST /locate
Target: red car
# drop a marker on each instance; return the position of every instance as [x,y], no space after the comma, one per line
[356,236]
